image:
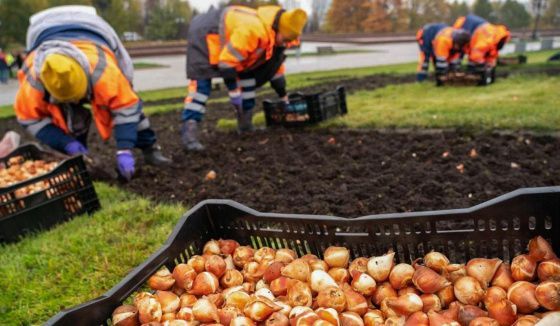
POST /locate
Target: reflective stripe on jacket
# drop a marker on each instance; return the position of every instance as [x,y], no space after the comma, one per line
[112,98]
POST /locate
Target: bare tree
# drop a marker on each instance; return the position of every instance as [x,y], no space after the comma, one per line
[537,9]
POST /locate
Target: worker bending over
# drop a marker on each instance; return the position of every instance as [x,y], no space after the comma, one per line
[425,36]
[449,44]
[243,46]
[76,60]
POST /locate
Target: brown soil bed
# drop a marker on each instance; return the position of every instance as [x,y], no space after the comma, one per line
[340,172]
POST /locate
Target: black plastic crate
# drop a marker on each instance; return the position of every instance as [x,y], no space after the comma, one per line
[500,227]
[68,192]
[304,110]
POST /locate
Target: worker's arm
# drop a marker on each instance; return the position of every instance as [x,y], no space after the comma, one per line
[442,52]
[278,82]
[33,115]
[423,66]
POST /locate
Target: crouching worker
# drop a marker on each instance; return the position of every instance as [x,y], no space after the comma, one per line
[450,44]
[76,59]
[486,43]
[425,36]
[243,46]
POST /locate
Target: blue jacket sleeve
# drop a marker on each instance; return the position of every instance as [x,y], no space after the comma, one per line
[126,135]
[54,137]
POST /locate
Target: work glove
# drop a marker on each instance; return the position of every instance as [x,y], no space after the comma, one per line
[125,164]
[75,148]
[236,99]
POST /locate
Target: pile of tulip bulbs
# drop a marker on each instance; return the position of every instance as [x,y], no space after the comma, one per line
[235,285]
[19,170]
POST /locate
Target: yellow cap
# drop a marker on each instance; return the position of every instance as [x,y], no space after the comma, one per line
[292,23]
[64,78]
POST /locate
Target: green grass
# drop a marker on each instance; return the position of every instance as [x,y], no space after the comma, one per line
[147,65]
[81,259]
[520,102]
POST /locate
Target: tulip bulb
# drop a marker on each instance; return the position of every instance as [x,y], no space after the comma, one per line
[229,262]
[549,270]
[264,292]
[339,274]
[494,294]
[242,321]
[277,319]
[279,286]
[185,313]
[418,318]
[231,278]
[285,256]
[337,256]
[523,268]
[363,283]
[227,247]
[351,319]
[503,311]
[436,261]
[437,319]
[408,289]
[455,271]
[205,311]
[149,310]
[355,302]
[383,291]
[428,281]
[168,300]
[540,249]
[264,254]
[380,267]
[484,321]
[205,283]
[299,294]
[446,295]
[215,265]
[395,321]
[285,308]
[243,255]
[483,269]
[162,280]
[197,262]
[453,311]
[374,318]
[260,308]
[522,294]
[237,299]
[468,290]
[359,264]
[296,311]
[468,313]
[125,315]
[328,314]
[430,302]
[184,276]
[401,276]
[307,318]
[227,314]
[405,305]
[273,271]
[321,280]
[548,295]
[527,321]
[503,277]
[298,270]
[332,297]
[211,247]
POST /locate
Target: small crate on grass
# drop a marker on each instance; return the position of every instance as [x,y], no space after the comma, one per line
[498,228]
[303,110]
[56,196]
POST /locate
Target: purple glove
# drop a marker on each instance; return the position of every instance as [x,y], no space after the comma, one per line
[74,148]
[236,99]
[125,163]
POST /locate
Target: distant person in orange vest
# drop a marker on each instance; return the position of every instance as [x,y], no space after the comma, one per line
[245,47]
[425,36]
[76,59]
[450,44]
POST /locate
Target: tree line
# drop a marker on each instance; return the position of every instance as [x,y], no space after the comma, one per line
[348,16]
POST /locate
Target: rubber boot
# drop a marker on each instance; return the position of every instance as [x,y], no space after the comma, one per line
[189,136]
[153,156]
[245,121]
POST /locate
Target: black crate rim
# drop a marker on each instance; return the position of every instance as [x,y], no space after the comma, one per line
[142,272]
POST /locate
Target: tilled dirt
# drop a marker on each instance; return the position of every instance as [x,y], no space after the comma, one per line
[341,172]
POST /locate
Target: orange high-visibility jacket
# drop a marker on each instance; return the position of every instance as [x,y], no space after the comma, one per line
[443,48]
[246,38]
[485,41]
[112,98]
